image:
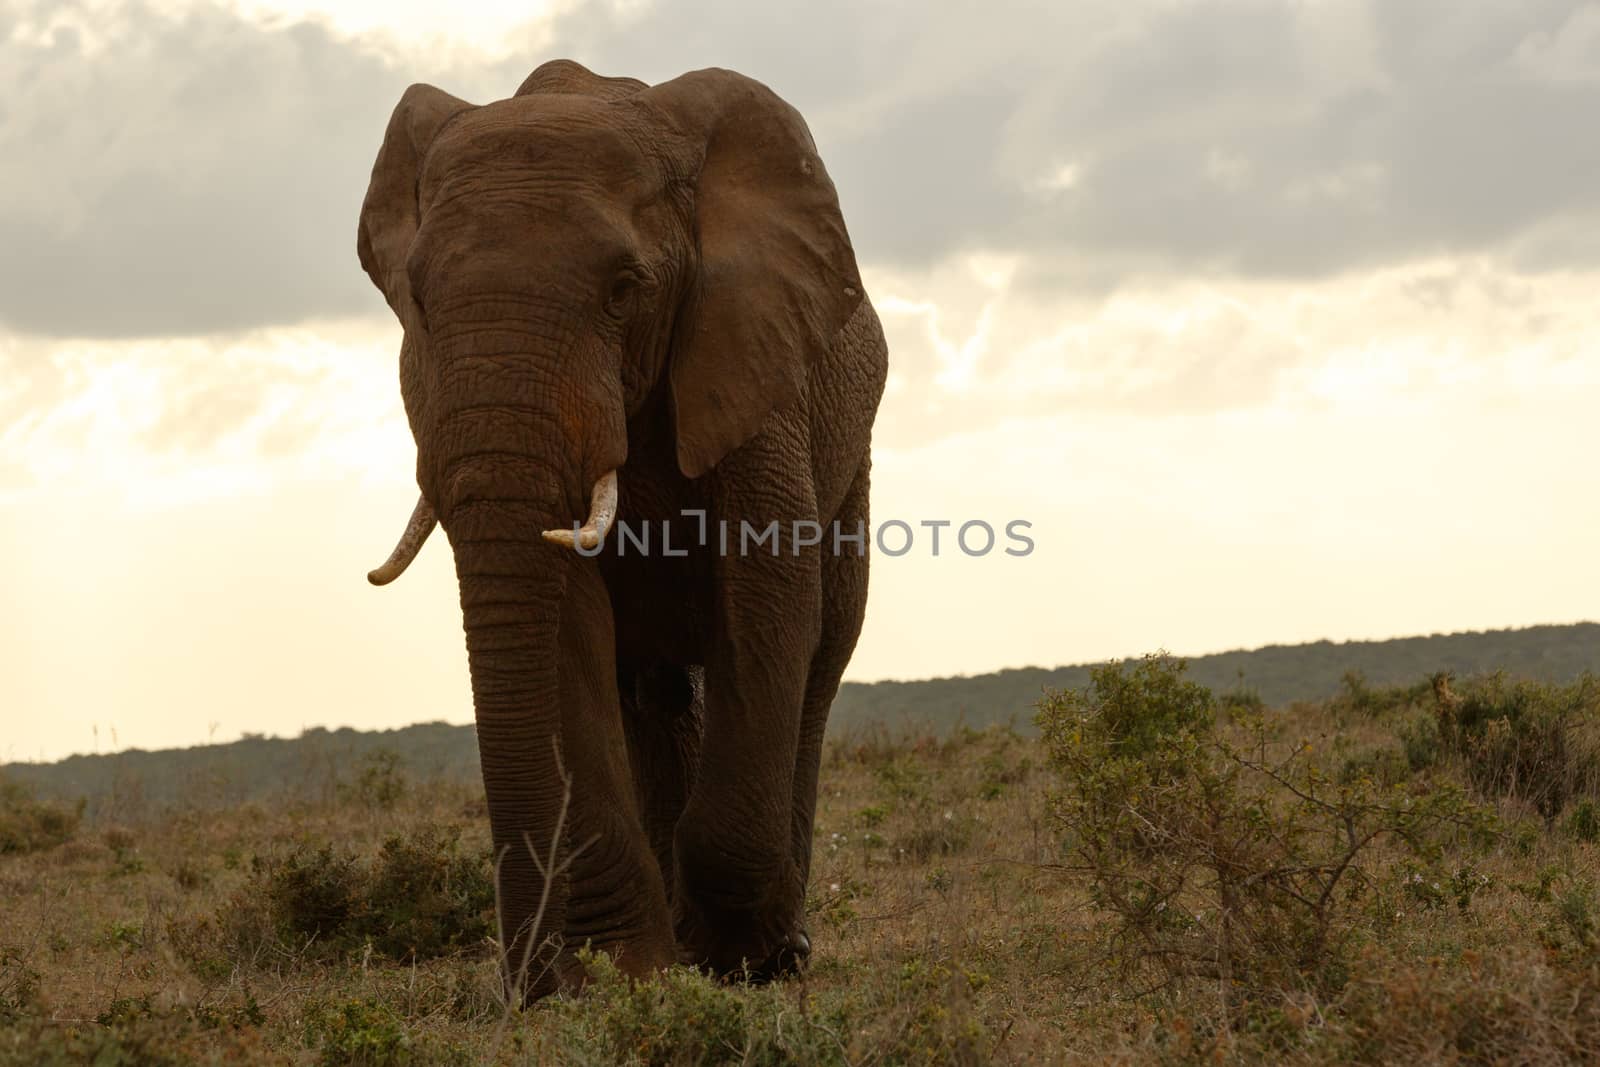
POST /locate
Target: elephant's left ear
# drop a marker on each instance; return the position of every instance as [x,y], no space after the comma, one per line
[777,277]
[389,214]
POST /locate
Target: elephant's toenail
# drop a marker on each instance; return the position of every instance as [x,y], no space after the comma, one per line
[801,944]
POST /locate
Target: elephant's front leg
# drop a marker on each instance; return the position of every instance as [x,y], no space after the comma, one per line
[844,605]
[740,892]
[616,902]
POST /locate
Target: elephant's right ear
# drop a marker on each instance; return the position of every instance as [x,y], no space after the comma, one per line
[389,214]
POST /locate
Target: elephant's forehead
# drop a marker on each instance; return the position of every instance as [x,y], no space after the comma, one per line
[556,137]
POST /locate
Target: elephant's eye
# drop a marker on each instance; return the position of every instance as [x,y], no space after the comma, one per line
[620,296]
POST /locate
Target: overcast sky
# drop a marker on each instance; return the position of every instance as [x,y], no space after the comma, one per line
[1277,319]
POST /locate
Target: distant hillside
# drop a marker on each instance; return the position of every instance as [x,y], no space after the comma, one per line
[320,761]
[1280,674]
[313,767]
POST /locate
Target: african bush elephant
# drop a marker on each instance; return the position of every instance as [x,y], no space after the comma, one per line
[631,302]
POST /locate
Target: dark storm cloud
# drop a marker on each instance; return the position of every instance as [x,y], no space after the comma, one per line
[203,173]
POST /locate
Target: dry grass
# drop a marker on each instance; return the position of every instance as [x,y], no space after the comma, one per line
[950,924]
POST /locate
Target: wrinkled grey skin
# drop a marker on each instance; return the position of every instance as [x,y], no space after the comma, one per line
[595,275]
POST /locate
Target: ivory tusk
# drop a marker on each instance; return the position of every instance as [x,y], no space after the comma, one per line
[602,510]
[417,531]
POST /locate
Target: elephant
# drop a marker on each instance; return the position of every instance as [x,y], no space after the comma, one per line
[627,306]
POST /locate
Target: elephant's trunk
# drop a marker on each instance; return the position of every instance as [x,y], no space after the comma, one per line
[509,458]
[511,598]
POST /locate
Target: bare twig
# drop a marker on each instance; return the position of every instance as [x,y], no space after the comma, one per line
[550,871]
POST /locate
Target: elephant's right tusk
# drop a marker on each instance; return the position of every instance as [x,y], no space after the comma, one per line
[417,531]
[602,510]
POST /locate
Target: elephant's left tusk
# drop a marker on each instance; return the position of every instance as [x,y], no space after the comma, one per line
[417,531]
[602,510]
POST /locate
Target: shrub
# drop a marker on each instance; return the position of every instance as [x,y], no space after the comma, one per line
[425,898]
[944,836]
[1359,697]
[1577,914]
[189,874]
[1002,768]
[382,781]
[19,986]
[359,1033]
[872,815]
[1132,713]
[1241,698]
[1384,765]
[903,779]
[1527,740]
[1420,740]
[1238,867]
[1584,823]
[919,1012]
[31,825]
[1504,1007]
[133,1038]
[420,897]
[311,893]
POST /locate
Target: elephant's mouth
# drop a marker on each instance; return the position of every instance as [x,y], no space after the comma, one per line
[602,512]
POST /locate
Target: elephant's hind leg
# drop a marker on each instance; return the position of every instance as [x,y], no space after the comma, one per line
[663,714]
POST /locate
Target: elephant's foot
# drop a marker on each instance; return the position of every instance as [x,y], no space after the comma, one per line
[635,958]
[788,960]
[742,945]
[757,934]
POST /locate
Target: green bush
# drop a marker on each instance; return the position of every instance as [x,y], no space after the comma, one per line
[30,825]
[420,897]
[311,893]
[382,781]
[426,898]
[1384,765]
[903,779]
[1531,741]
[919,1012]
[1584,823]
[358,1033]
[1420,740]
[942,837]
[19,986]
[1359,697]
[1241,698]
[1576,921]
[1130,713]
[143,1040]
[1234,867]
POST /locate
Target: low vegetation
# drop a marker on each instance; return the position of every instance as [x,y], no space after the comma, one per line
[1165,874]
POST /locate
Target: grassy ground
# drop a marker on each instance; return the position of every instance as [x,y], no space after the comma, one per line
[979,898]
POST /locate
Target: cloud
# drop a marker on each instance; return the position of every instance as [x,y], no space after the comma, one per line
[1570,53]
[192,174]
[187,173]
[201,171]
[972,349]
[202,416]
[1265,139]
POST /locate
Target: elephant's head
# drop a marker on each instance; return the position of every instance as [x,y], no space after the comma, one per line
[558,261]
